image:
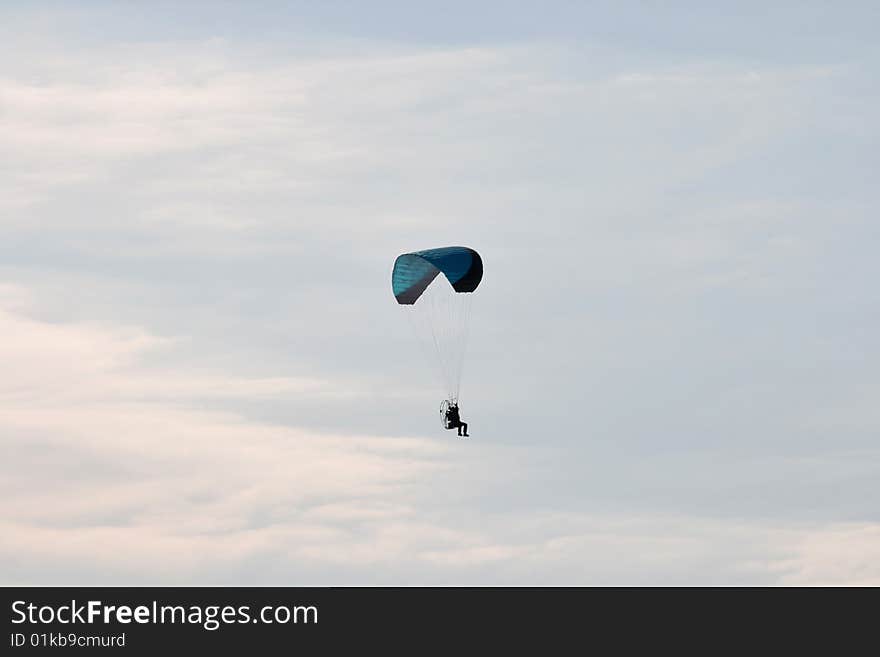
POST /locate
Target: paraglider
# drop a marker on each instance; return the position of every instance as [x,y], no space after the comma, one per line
[439,310]
[452,418]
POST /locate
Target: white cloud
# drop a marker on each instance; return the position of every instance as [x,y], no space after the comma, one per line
[156,490]
[842,555]
[189,205]
[125,482]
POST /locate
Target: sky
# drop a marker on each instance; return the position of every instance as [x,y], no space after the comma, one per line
[672,373]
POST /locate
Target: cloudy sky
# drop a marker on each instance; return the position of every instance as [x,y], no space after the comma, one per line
[672,374]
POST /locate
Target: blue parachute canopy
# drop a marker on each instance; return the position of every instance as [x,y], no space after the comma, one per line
[414,272]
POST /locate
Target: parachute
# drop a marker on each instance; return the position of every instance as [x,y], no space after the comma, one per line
[438,307]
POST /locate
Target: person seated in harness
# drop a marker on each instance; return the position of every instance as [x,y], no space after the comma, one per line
[453,419]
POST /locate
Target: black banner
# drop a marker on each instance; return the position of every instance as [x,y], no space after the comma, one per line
[415,620]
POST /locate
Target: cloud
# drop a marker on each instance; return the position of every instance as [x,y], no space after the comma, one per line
[101,458]
[202,379]
[139,485]
[154,490]
[216,138]
[844,555]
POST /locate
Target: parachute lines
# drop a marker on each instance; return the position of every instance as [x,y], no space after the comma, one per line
[439,307]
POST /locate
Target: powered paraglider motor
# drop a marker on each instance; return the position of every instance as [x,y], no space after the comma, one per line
[452,419]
